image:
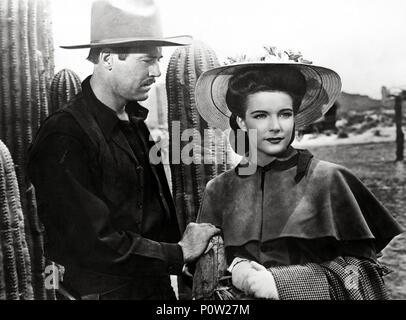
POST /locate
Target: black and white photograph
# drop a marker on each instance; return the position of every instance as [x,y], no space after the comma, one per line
[202,151]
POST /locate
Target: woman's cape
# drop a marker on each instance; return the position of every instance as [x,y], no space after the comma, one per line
[328,202]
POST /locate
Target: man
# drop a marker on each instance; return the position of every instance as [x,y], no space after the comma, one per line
[108,213]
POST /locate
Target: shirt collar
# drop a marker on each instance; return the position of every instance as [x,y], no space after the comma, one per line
[105,116]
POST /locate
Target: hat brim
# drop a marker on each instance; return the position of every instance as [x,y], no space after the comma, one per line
[131,42]
[323,88]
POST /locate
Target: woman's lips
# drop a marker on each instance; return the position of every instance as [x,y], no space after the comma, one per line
[274,140]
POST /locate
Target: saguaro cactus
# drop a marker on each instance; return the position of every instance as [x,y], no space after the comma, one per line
[26,69]
[65,85]
[15,267]
[207,146]
[189,180]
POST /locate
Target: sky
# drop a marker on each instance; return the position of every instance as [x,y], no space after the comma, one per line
[364,41]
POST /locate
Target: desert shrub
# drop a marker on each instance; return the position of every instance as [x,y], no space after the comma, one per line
[342,134]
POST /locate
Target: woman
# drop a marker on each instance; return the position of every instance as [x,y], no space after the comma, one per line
[294,227]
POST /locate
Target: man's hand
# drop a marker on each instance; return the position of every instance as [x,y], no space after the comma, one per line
[195,240]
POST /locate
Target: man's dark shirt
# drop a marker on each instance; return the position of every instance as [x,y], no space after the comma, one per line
[107,222]
[151,197]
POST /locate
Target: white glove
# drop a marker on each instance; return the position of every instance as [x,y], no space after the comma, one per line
[240,269]
[260,282]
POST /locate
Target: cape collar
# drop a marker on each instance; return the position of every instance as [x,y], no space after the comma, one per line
[291,158]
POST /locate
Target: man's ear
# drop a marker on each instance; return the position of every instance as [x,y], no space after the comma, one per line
[106,59]
[241,123]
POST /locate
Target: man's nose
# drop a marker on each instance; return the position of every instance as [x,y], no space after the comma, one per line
[154,70]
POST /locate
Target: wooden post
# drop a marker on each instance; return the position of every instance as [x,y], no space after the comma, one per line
[210,268]
[400,137]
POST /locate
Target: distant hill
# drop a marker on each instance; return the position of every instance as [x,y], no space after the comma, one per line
[356,102]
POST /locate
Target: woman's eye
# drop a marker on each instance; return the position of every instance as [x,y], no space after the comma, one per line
[286,114]
[260,116]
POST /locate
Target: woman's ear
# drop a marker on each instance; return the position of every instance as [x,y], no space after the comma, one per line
[241,123]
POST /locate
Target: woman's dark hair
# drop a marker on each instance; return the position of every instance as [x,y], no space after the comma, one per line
[264,78]
[256,79]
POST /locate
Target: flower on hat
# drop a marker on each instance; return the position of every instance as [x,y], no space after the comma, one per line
[237,59]
[272,54]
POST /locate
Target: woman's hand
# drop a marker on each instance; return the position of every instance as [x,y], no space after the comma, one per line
[240,269]
[260,282]
[253,279]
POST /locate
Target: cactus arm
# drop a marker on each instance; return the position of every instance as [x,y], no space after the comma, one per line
[6,234]
[17,225]
[50,39]
[43,44]
[64,86]
[43,90]
[33,47]
[177,185]
[6,77]
[184,196]
[54,94]
[3,295]
[38,259]
[26,79]
[196,166]
[186,171]
[209,143]
[6,133]
[173,115]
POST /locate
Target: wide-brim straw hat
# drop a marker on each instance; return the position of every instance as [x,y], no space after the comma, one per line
[323,88]
[127,23]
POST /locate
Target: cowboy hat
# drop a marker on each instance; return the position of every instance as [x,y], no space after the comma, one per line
[323,86]
[125,23]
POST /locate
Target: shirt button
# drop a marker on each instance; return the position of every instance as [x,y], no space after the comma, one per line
[139,206]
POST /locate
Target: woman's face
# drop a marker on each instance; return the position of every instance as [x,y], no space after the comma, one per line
[270,114]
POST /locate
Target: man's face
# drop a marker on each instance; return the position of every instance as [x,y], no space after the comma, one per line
[132,78]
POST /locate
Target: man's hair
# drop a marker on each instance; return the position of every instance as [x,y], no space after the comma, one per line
[264,78]
[94,53]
